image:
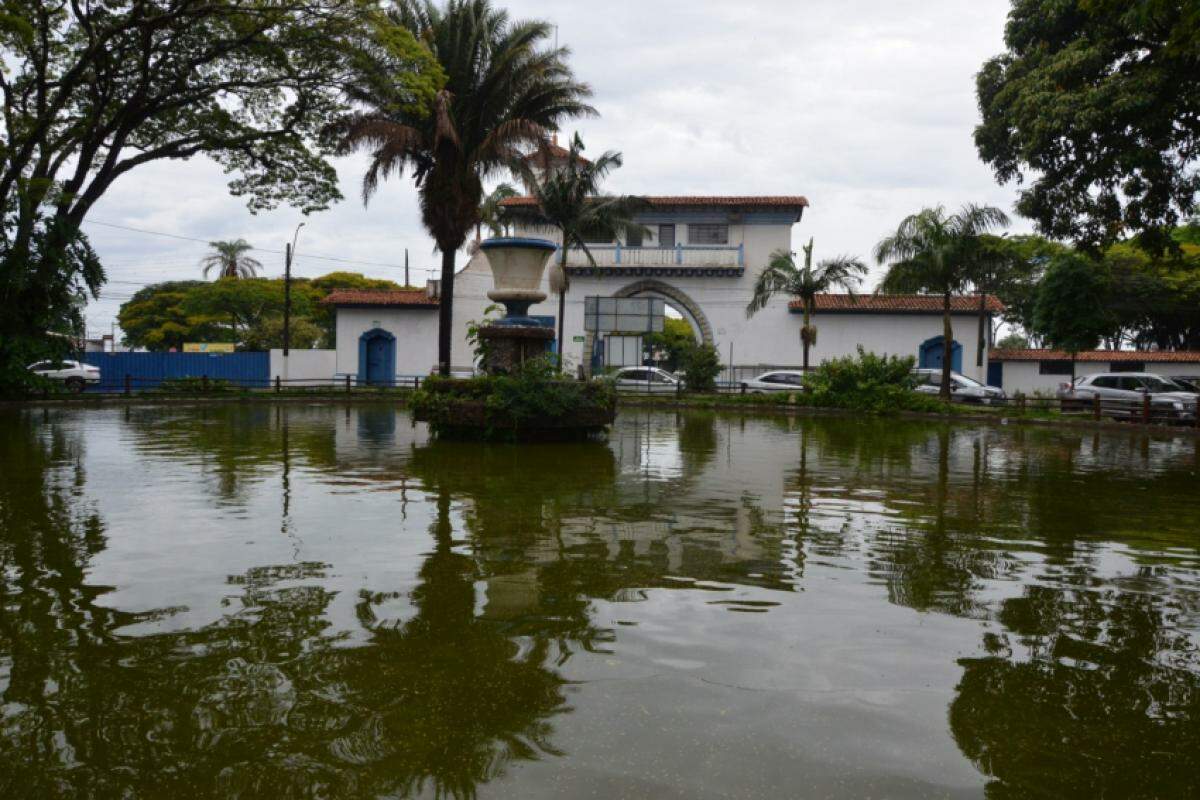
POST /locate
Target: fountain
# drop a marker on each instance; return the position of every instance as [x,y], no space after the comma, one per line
[522,395]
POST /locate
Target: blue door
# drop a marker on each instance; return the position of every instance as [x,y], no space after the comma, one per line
[996,374]
[933,354]
[377,357]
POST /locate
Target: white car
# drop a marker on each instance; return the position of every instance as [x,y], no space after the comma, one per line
[780,380]
[75,375]
[962,388]
[645,379]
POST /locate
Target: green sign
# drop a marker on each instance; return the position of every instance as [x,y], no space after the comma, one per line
[578,339]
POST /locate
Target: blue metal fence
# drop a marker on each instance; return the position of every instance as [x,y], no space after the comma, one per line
[150,369]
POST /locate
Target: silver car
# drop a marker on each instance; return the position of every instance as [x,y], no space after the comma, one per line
[962,388]
[75,375]
[1123,394]
[780,380]
[645,379]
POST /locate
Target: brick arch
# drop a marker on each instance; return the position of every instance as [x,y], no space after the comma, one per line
[677,297]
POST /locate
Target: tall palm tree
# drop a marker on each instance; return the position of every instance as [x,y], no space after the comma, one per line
[569,199]
[782,276]
[230,260]
[504,92]
[935,252]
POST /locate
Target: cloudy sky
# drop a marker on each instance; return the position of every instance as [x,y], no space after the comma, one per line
[866,107]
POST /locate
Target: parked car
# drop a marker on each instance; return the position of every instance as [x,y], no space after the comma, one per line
[780,380]
[75,375]
[962,388]
[1189,382]
[1122,395]
[645,379]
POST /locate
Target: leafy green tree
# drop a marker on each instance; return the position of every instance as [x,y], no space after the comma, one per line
[932,251]
[701,365]
[1072,311]
[1022,262]
[782,276]
[569,199]
[230,260]
[154,318]
[267,333]
[93,91]
[1013,341]
[675,340]
[503,91]
[1093,103]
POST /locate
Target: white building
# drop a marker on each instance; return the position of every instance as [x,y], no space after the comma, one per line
[701,256]
[1044,371]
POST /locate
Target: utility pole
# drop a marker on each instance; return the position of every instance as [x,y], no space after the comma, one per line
[406,283]
[288,253]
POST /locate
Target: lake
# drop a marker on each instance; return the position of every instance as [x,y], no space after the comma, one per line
[318,601]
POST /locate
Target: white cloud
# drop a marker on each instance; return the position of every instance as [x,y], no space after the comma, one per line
[864,106]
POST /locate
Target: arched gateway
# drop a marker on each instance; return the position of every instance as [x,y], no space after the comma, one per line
[692,313]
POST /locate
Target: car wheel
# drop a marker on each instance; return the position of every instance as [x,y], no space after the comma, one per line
[74,385]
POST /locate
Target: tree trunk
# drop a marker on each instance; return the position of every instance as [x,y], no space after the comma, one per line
[804,335]
[947,347]
[979,346]
[562,304]
[446,311]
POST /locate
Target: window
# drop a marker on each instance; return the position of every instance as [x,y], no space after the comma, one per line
[1105,382]
[708,233]
[1054,367]
[1127,366]
[666,235]
[633,238]
[596,236]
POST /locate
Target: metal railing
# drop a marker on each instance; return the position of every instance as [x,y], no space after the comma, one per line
[613,255]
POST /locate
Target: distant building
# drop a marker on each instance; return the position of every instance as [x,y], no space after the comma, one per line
[1030,371]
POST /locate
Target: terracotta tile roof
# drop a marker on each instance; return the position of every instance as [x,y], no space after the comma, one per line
[724,201]
[899,303]
[1145,356]
[407,298]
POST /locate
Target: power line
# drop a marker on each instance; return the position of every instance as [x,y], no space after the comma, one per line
[257,249]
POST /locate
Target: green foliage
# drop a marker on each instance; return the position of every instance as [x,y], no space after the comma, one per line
[42,297]
[1072,311]
[230,260]
[267,333]
[675,340]
[247,311]
[1091,106]
[533,396]
[1013,341]
[868,383]
[503,91]
[701,365]
[197,386]
[480,347]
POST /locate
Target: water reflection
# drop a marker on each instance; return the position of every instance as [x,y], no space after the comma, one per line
[332,605]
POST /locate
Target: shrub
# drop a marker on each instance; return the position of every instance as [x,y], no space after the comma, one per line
[870,383]
[195,385]
[701,365]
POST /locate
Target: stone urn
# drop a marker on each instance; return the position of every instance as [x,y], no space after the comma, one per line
[518,265]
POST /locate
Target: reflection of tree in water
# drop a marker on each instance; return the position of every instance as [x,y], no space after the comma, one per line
[266,702]
[1106,703]
[1093,687]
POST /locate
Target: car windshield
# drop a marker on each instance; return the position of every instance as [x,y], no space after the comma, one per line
[965,381]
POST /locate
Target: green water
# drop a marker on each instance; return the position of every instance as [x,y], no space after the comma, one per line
[317,601]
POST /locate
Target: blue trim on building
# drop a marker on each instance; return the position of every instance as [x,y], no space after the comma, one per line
[389,365]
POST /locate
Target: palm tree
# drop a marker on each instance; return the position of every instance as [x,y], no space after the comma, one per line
[781,275]
[503,93]
[230,260]
[491,211]
[569,199]
[932,251]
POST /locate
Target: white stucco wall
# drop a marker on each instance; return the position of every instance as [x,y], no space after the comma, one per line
[314,366]
[415,330]
[1024,377]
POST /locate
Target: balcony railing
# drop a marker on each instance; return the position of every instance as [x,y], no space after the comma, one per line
[618,255]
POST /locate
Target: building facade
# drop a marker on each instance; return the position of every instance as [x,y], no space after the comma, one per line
[1034,372]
